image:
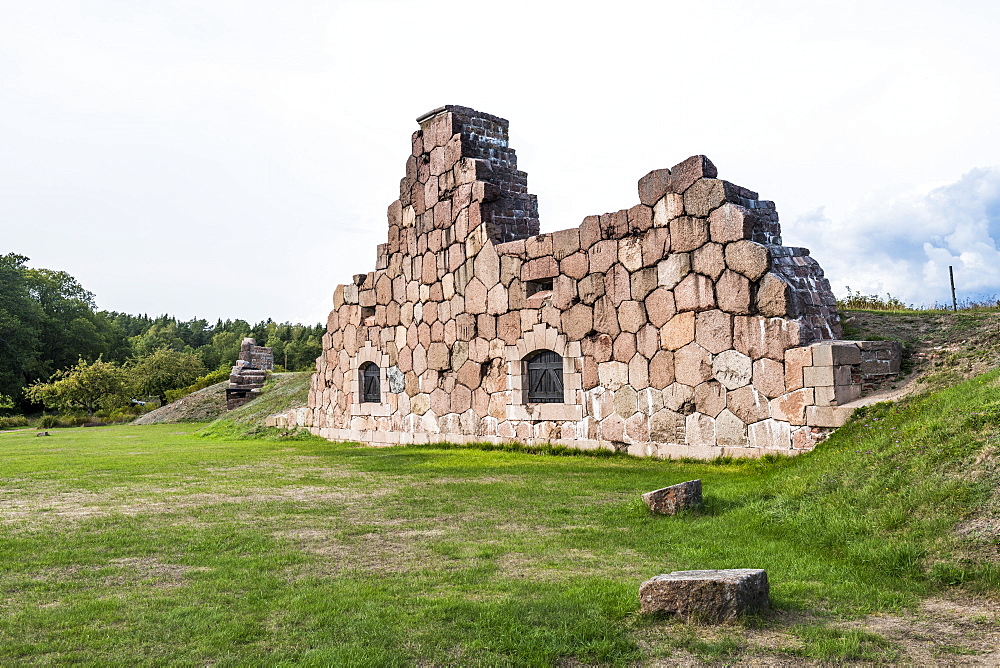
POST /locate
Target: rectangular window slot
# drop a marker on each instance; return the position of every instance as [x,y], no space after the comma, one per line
[541,285]
[367,312]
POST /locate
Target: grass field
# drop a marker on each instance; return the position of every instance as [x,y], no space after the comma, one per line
[154,544]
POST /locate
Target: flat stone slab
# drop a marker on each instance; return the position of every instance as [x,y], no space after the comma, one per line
[669,500]
[719,595]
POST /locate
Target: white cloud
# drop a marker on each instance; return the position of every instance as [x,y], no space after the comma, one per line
[903,243]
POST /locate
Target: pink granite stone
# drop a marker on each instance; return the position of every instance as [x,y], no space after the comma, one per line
[695,293]
[660,306]
[714,330]
[688,233]
[769,377]
[692,365]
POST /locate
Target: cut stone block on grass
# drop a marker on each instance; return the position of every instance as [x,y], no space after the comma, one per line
[670,500]
[717,595]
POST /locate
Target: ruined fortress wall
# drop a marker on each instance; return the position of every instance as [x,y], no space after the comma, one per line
[683,325]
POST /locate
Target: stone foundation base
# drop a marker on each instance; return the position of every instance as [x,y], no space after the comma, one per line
[647,449]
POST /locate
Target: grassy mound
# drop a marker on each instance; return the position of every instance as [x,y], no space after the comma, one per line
[200,406]
[282,391]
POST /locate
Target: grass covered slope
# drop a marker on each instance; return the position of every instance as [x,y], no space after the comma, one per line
[942,347]
[150,544]
[281,392]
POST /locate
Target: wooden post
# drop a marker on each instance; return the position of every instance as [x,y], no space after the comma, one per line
[951,275]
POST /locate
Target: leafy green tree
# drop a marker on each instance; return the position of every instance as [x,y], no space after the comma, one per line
[71,328]
[160,335]
[86,386]
[20,327]
[195,333]
[226,347]
[163,370]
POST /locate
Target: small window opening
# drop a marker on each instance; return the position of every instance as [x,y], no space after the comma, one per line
[368,379]
[541,285]
[367,312]
[545,378]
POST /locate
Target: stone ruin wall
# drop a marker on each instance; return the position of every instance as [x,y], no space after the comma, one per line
[685,327]
[249,373]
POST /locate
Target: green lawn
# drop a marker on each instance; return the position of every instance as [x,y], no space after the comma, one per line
[133,545]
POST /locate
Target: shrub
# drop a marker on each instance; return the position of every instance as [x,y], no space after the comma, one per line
[51,422]
[118,416]
[860,302]
[13,422]
[87,386]
[6,404]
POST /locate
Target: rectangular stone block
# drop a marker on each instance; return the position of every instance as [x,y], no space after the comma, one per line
[565,243]
[831,353]
[847,393]
[670,500]
[879,367]
[837,395]
[653,186]
[540,268]
[842,375]
[828,416]
[791,407]
[717,595]
[795,360]
[770,434]
[817,376]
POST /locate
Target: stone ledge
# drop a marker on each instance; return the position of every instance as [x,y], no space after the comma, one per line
[373,409]
[536,412]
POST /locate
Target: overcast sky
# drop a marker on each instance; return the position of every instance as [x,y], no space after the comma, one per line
[236,159]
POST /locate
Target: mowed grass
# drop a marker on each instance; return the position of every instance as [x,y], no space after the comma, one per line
[151,545]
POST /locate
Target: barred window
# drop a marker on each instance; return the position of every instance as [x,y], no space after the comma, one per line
[368,381]
[545,378]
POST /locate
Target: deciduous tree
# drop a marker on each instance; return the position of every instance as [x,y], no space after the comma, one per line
[163,370]
[86,386]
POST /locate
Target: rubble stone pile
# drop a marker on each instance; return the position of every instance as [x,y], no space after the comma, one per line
[249,373]
[680,326]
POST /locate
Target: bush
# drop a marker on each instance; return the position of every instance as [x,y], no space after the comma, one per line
[6,404]
[861,302]
[118,416]
[201,383]
[51,422]
[13,422]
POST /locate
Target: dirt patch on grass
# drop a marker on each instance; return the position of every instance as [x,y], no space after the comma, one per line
[939,632]
[384,551]
[129,572]
[951,631]
[36,510]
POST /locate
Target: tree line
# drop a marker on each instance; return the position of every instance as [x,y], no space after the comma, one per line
[50,327]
